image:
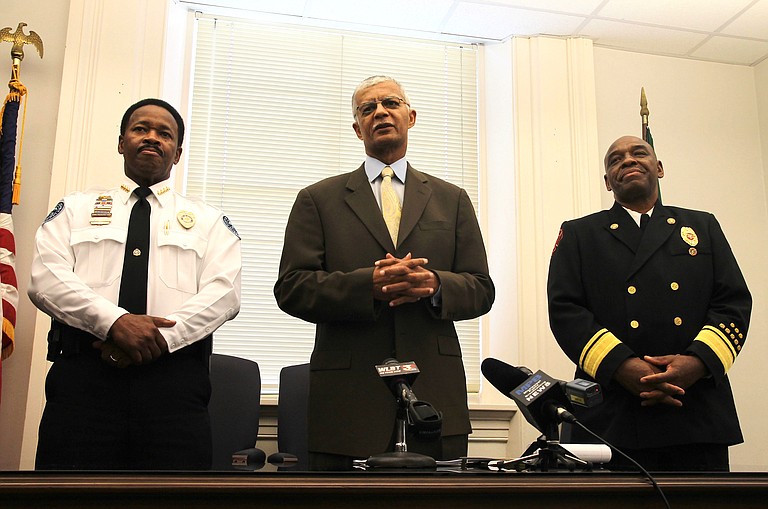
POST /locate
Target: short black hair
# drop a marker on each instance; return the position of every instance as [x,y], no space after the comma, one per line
[153,102]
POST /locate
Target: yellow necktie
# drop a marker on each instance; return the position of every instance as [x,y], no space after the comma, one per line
[390,203]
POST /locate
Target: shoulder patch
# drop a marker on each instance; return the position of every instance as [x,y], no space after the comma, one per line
[230,226]
[55,212]
[557,241]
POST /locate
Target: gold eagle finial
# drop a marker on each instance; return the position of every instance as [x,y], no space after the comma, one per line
[19,39]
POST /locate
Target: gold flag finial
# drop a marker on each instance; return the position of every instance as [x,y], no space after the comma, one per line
[19,39]
[644,113]
[644,105]
[16,89]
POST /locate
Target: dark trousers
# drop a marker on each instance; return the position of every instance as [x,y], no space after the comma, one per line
[680,458]
[151,417]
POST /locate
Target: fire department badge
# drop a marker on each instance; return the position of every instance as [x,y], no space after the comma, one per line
[689,236]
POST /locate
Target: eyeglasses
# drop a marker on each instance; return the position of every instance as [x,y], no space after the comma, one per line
[390,103]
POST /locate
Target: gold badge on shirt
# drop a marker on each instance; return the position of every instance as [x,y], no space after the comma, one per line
[186,219]
[102,211]
[689,236]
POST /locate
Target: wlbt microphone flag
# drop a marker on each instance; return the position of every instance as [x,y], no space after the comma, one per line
[425,421]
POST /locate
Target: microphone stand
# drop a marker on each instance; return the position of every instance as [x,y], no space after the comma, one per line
[546,454]
[401,457]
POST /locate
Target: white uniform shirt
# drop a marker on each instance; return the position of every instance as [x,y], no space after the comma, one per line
[194,263]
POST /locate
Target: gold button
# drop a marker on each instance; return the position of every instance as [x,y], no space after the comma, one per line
[738,347]
[693,251]
[634,324]
[733,336]
[671,220]
[614,226]
[137,252]
[674,286]
[722,326]
[733,324]
[631,290]
[735,341]
[678,321]
[741,336]
[727,330]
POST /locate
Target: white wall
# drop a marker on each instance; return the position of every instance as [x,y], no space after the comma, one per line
[706,129]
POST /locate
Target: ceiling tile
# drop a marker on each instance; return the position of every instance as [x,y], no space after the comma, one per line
[497,22]
[582,7]
[290,7]
[641,38]
[753,23]
[708,15]
[731,50]
[423,15]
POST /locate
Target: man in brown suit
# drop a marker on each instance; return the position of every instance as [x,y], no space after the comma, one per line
[375,297]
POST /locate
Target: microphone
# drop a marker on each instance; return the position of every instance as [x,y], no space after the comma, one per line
[503,376]
[541,398]
[399,376]
[426,422]
[249,459]
[506,378]
[282,459]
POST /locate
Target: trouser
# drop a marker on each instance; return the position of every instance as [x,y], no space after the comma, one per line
[149,417]
[680,458]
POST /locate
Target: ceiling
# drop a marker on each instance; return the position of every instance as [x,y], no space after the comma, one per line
[728,31]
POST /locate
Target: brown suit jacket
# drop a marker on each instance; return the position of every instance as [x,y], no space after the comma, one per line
[334,235]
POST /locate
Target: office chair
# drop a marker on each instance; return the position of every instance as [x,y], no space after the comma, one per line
[234,407]
[292,405]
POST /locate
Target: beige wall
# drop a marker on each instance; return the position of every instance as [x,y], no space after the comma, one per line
[43,79]
[705,120]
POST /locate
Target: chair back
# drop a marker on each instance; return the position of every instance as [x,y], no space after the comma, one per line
[234,407]
[292,409]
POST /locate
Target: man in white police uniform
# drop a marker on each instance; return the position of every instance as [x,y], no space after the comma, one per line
[129,385]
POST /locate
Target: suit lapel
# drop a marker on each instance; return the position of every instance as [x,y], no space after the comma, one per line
[417,194]
[623,227]
[658,230]
[362,202]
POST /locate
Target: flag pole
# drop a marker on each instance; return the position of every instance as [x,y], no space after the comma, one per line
[644,114]
[10,181]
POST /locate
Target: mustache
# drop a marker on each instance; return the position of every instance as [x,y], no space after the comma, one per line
[153,148]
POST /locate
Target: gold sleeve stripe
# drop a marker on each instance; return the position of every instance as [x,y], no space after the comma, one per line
[596,349]
[719,344]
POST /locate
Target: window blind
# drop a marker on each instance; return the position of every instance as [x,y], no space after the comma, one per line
[271,113]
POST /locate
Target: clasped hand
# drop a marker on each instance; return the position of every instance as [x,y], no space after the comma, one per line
[662,379]
[403,280]
[134,339]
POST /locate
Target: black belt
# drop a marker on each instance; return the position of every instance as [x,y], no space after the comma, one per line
[66,341]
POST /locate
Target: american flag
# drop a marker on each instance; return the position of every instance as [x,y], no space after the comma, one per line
[8,285]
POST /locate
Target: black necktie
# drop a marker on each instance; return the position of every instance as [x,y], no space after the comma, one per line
[644,221]
[133,286]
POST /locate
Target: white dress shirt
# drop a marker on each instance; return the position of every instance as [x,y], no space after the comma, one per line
[194,262]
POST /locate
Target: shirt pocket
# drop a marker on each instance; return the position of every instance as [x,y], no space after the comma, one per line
[179,259]
[95,249]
